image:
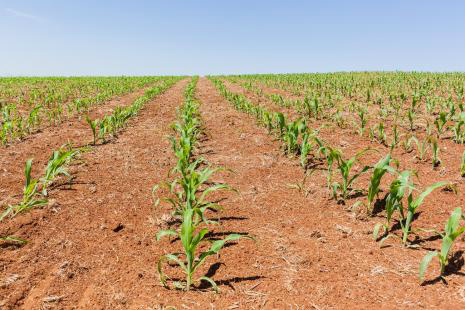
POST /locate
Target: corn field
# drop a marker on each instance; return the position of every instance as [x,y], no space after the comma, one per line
[238,187]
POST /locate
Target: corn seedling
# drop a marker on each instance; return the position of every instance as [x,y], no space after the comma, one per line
[267,120]
[344,167]
[411,118]
[191,239]
[191,189]
[406,145]
[452,231]
[379,170]
[291,135]
[421,147]
[381,135]
[399,188]
[93,126]
[339,119]
[395,138]
[300,186]
[435,149]
[30,192]
[459,129]
[441,122]
[56,166]
[312,107]
[462,165]
[305,149]
[363,121]
[281,123]
[412,206]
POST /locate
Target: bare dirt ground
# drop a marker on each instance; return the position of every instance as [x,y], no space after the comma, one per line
[94,247]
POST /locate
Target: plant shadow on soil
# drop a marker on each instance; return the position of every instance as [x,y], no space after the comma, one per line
[227,282]
[211,272]
[11,245]
[214,236]
[175,221]
[67,185]
[379,206]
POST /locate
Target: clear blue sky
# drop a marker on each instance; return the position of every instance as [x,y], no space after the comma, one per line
[135,37]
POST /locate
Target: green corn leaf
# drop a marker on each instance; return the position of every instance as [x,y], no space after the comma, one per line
[13,239]
[426,192]
[376,230]
[424,264]
[213,284]
[163,233]
[196,240]
[175,258]
[215,247]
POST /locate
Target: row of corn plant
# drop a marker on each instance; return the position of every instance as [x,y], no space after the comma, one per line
[110,125]
[403,198]
[302,141]
[314,99]
[378,132]
[28,106]
[297,138]
[189,198]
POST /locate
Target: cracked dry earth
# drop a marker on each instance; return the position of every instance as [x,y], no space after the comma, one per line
[94,246]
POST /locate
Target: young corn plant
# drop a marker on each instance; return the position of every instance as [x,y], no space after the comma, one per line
[379,170]
[435,149]
[407,145]
[412,206]
[312,107]
[280,123]
[56,166]
[190,190]
[411,115]
[400,188]
[30,193]
[291,136]
[441,122]
[397,191]
[339,119]
[310,141]
[363,121]
[94,124]
[462,166]
[395,138]
[267,121]
[381,135]
[429,128]
[305,149]
[459,129]
[452,231]
[344,167]
[422,147]
[459,132]
[190,261]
